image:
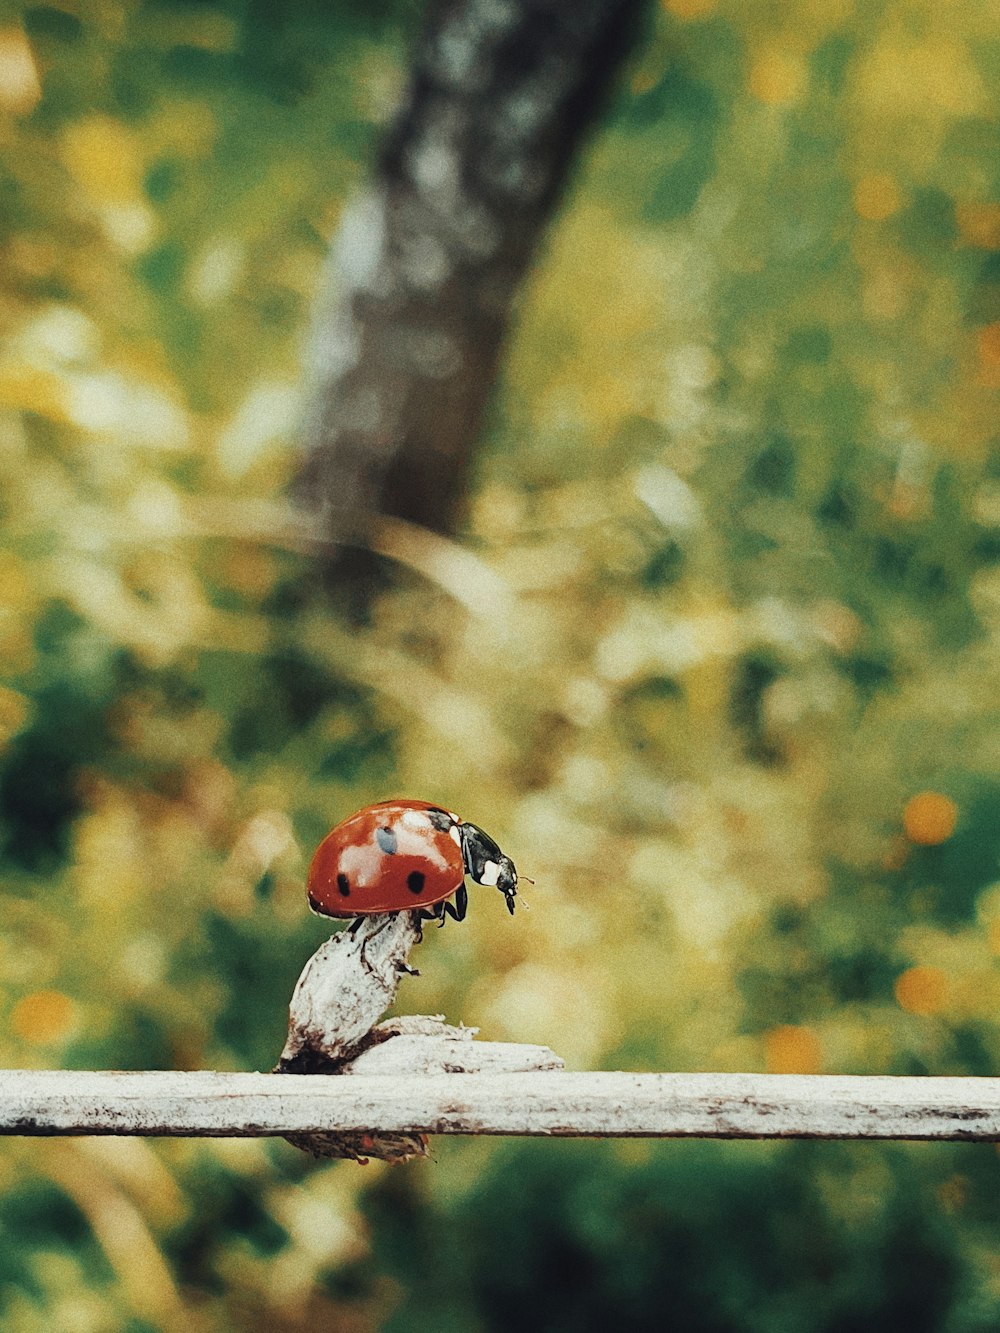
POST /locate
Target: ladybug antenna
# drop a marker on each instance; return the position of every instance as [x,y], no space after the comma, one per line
[521,879]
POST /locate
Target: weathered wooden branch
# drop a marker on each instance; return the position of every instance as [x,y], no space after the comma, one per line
[344,988]
[362,1089]
[758,1106]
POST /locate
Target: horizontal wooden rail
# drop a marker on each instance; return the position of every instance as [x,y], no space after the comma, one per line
[755,1106]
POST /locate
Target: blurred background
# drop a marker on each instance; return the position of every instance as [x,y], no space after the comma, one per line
[705,633]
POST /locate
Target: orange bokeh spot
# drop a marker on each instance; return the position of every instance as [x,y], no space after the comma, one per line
[922,990]
[929,818]
[689,9]
[979,224]
[792,1050]
[988,350]
[43,1017]
[905,500]
[876,197]
[988,345]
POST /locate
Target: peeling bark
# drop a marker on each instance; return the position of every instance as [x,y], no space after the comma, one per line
[343,990]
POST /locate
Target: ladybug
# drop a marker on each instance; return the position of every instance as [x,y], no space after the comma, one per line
[404,856]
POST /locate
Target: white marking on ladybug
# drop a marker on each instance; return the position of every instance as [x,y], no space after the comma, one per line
[455,836]
[364,866]
[415,819]
[490,875]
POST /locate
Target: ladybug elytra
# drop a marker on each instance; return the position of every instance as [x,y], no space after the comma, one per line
[404,856]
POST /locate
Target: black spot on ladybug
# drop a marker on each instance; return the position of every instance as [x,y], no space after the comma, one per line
[440,819]
[387,840]
[344,885]
[415,881]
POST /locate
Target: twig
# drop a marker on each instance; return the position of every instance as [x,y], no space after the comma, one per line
[762,1106]
[459,571]
[344,988]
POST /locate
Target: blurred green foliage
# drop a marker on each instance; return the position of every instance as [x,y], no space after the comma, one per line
[732,702]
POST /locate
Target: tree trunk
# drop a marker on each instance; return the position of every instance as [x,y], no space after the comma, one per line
[427,264]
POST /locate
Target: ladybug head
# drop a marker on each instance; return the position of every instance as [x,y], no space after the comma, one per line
[486,864]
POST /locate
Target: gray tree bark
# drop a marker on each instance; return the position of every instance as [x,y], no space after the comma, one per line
[429,261]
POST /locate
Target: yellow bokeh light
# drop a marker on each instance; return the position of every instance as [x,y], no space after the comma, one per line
[20,90]
[15,710]
[25,388]
[17,648]
[905,76]
[922,990]
[43,1017]
[886,293]
[642,82]
[876,197]
[777,78]
[792,1050]
[101,154]
[16,589]
[929,818]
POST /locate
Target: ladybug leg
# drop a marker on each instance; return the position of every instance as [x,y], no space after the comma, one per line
[355,926]
[406,968]
[435,913]
[459,907]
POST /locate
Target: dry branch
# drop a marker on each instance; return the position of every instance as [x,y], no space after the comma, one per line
[362,1089]
[343,989]
[759,1106]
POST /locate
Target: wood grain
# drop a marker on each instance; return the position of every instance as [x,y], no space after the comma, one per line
[536,1103]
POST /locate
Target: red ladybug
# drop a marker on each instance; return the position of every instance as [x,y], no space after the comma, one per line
[404,856]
